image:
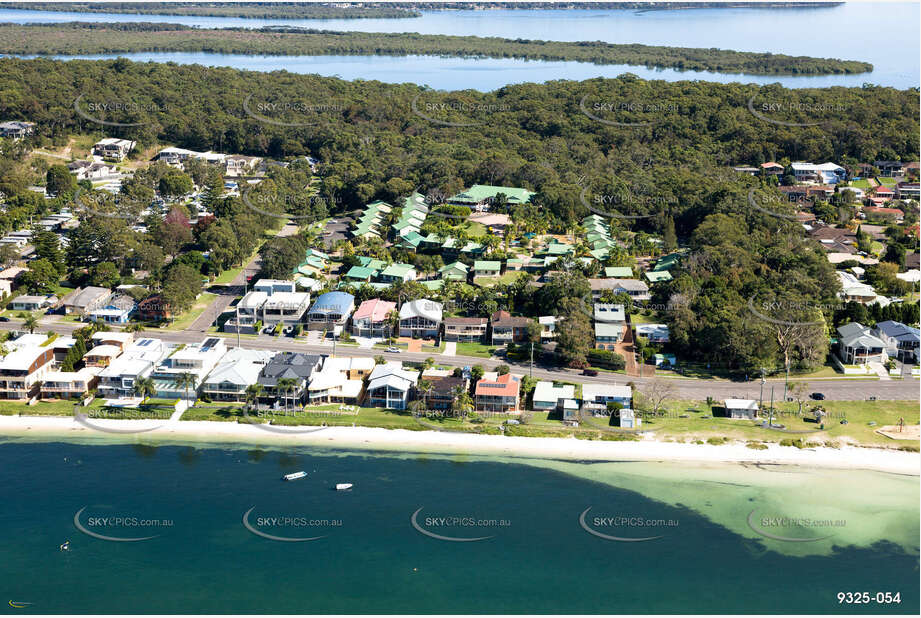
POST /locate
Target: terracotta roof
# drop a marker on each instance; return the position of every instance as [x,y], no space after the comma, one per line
[504,386]
[461,321]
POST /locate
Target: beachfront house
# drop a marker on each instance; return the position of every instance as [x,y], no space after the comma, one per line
[858,346]
[389,386]
[197,359]
[552,396]
[284,379]
[118,379]
[69,384]
[499,394]
[23,369]
[236,370]
[741,408]
[595,397]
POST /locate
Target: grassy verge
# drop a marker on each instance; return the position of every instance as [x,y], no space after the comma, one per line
[475,349]
[185,320]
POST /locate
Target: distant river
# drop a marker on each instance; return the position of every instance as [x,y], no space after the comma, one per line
[836,32]
[533,554]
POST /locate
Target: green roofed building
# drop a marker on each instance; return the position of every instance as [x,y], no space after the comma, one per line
[618,272]
[483,194]
[487,268]
[370,262]
[455,271]
[398,272]
[360,273]
[666,262]
[654,276]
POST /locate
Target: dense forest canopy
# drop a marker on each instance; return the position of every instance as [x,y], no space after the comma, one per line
[101,38]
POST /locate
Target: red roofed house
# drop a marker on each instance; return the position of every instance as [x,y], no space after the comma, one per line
[370,319]
[894,213]
[883,192]
[499,395]
[772,169]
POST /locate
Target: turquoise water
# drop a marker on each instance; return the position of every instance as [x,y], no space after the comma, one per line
[827,32]
[539,559]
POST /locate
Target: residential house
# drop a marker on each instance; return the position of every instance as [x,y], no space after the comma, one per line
[902,342]
[395,273]
[331,312]
[354,367]
[595,397]
[880,213]
[657,276]
[154,309]
[420,319]
[548,324]
[607,335]
[84,300]
[890,168]
[772,168]
[824,173]
[16,129]
[9,279]
[69,384]
[618,272]
[240,165]
[551,396]
[506,328]
[655,333]
[741,408]
[285,308]
[498,394]
[197,359]
[101,355]
[858,346]
[455,271]
[237,369]
[389,386]
[22,370]
[908,190]
[113,148]
[487,268]
[465,329]
[330,385]
[118,310]
[636,289]
[119,339]
[292,366]
[359,275]
[479,197]
[90,170]
[118,379]
[270,286]
[371,319]
[853,290]
[28,302]
[442,387]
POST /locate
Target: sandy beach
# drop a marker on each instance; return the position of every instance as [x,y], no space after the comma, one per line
[371,438]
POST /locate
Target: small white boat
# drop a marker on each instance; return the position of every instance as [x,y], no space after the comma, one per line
[343,486]
[295,475]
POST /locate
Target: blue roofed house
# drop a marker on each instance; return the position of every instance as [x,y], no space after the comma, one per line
[117,310]
[902,342]
[330,311]
[858,346]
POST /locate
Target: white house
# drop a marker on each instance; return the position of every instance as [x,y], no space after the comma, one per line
[117,380]
[420,318]
[197,359]
[236,370]
[549,396]
[389,386]
[741,408]
[595,397]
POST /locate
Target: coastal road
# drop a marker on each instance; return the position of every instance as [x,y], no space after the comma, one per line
[836,389]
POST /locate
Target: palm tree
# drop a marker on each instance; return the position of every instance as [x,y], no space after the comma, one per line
[424,387]
[29,320]
[286,385]
[134,327]
[393,324]
[462,405]
[185,381]
[253,392]
[145,387]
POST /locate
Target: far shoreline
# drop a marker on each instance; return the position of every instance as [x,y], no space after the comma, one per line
[216,434]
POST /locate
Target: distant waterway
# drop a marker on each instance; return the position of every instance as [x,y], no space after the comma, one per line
[827,32]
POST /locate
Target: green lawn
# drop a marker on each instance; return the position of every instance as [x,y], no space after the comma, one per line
[46,408]
[860,184]
[858,414]
[185,320]
[887,181]
[481,350]
[505,279]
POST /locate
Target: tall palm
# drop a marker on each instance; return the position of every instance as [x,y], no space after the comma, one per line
[185,381]
[286,385]
[462,405]
[393,323]
[145,387]
[425,388]
[29,321]
[253,392]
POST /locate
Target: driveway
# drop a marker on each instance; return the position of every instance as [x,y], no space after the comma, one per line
[450,348]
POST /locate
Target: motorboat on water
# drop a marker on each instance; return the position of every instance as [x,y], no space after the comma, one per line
[295,475]
[343,486]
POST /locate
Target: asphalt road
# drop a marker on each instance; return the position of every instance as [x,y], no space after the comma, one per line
[840,389]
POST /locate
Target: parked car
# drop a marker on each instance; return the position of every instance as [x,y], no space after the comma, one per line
[818,396]
[393,350]
[3,318]
[589,372]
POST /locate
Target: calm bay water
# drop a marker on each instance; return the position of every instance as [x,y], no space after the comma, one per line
[539,558]
[834,32]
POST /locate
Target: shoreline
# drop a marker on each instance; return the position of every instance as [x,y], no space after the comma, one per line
[379,439]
